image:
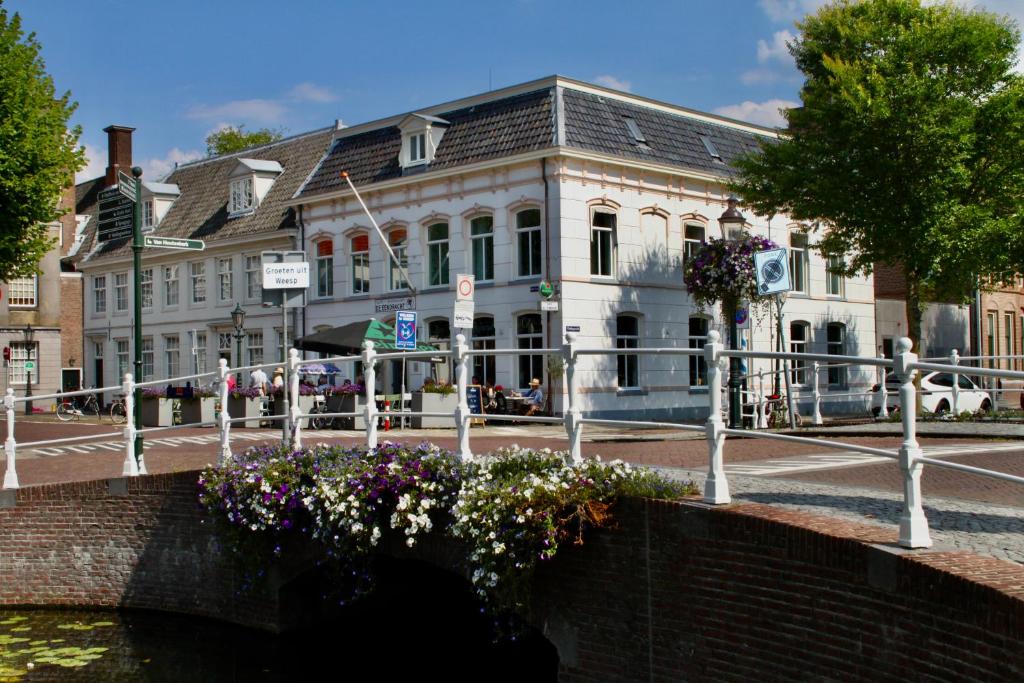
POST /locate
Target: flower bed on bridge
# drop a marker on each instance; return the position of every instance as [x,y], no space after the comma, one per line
[513,508]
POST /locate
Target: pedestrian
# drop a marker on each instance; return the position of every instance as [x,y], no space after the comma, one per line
[278,378]
[258,379]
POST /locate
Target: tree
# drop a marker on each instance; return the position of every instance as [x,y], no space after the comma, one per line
[907,149]
[235,138]
[39,154]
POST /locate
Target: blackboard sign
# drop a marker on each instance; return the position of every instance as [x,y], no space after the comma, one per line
[474,397]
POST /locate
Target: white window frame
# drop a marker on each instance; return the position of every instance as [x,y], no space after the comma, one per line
[172,355]
[19,356]
[837,376]
[602,254]
[120,292]
[198,350]
[482,247]
[485,366]
[1009,343]
[148,360]
[324,269]
[529,243]
[530,366]
[691,244]
[254,347]
[835,284]
[23,292]
[146,287]
[438,253]
[121,355]
[698,368]
[396,281]
[99,293]
[253,277]
[242,195]
[148,215]
[225,279]
[627,364]
[799,262]
[417,148]
[798,368]
[172,285]
[197,281]
[359,261]
[227,351]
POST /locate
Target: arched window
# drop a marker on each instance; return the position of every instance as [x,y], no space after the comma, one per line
[483,338]
[798,260]
[325,268]
[529,335]
[602,243]
[481,233]
[697,337]
[627,336]
[528,241]
[437,254]
[360,255]
[799,335]
[399,241]
[836,345]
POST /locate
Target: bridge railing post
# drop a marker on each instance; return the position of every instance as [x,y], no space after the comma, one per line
[462,414]
[294,409]
[716,487]
[913,523]
[131,465]
[224,420]
[762,416]
[10,445]
[954,359]
[370,381]
[816,392]
[573,425]
[883,412]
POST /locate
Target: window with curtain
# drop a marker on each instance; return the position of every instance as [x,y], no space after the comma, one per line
[253,277]
[528,241]
[225,286]
[197,272]
[693,236]
[834,283]
[121,292]
[254,346]
[799,335]
[481,233]
[171,285]
[530,335]
[437,254]
[627,336]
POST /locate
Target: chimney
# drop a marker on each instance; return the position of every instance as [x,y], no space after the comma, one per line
[119,152]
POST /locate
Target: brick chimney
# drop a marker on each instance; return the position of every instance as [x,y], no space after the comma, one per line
[119,151]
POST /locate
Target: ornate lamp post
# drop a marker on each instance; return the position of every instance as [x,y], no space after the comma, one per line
[238,320]
[28,332]
[732,222]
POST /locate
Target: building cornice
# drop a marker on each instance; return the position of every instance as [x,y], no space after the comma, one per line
[159,255]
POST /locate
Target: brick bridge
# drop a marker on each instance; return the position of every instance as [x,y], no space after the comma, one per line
[679,591]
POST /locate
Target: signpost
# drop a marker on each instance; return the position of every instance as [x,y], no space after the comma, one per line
[127,185]
[465,307]
[285,280]
[771,269]
[405,331]
[173,243]
[115,216]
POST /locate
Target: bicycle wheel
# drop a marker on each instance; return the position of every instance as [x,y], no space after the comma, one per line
[117,413]
[65,411]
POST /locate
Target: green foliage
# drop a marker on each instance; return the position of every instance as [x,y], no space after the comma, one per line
[38,151]
[236,138]
[907,146]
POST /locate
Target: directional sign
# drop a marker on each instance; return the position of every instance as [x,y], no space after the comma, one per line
[405,330]
[173,243]
[464,285]
[771,268]
[286,275]
[115,215]
[127,185]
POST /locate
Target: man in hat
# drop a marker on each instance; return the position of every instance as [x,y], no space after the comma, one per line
[534,398]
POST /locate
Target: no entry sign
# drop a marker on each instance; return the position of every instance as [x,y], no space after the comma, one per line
[464,285]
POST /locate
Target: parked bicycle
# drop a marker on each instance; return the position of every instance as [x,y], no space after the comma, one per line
[317,422]
[72,409]
[778,417]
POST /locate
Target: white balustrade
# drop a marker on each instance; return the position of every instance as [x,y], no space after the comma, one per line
[462,414]
[716,487]
[573,415]
[370,382]
[224,421]
[10,445]
[131,463]
[913,524]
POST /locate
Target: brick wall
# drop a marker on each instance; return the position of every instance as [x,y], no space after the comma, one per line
[72,347]
[889,282]
[679,591]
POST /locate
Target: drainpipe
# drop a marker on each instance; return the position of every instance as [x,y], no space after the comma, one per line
[302,243]
[547,271]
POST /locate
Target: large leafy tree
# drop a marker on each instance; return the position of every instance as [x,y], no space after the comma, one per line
[236,138]
[908,147]
[39,154]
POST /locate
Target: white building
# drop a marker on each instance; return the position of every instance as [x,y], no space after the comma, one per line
[601,192]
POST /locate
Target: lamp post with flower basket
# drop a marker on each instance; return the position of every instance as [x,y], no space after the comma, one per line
[722,270]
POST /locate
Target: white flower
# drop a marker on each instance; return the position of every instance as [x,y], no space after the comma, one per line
[411,541]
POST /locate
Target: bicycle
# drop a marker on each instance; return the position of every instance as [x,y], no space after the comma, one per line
[316,422]
[68,409]
[778,418]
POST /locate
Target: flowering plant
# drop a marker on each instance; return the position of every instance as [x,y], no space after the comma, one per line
[153,392]
[723,270]
[350,389]
[442,388]
[245,392]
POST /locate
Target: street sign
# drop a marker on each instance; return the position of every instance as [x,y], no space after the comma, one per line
[115,215]
[288,295]
[463,316]
[546,290]
[30,365]
[405,330]
[127,185]
[286,275]
[771,268]
[392,305]
[173,243]
[572,328]
[464,286]
[549,305]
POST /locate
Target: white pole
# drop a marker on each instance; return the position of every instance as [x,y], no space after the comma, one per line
[913,524]
[10,445]
[285,432]
[462,415]
[370,382]
[131,465]
[816,392]
[573,426]
[224,424]
[954,359]
[380,234]
[295,409]
[716,487]
[883,412]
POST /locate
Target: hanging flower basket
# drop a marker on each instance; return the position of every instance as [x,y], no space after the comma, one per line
[723,270]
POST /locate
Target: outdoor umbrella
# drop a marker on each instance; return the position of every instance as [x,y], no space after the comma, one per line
[348,339]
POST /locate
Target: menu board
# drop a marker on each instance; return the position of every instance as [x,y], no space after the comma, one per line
[474,397]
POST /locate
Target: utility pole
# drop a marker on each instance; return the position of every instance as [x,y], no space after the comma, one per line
[137,266]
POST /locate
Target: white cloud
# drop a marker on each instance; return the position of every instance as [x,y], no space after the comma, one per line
[776,51]
[96,164]
[764,113]
[310,92]
[243,111]
[786,11]
[614,83]
[158,169]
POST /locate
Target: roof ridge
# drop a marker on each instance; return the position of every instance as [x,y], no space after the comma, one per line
[242,153]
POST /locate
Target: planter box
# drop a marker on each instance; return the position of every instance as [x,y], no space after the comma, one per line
[306,404]
[157,412]
[247,408]
[433,403]
[348,403]
[195,410]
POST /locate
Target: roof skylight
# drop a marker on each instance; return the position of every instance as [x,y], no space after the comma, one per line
[710,147]
[634,129]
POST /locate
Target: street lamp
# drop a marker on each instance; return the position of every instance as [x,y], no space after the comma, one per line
[29,333]
[238,320]
[732,223]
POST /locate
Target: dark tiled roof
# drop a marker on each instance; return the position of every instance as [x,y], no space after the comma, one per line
[201,210]
[490,130]
[597,124]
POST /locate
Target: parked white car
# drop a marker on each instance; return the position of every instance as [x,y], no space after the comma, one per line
[936,394]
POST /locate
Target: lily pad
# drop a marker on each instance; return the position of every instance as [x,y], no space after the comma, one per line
[102,623]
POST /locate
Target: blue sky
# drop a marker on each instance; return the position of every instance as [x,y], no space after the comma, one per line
[178,70]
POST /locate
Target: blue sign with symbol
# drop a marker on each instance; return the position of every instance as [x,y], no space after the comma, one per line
[405,330]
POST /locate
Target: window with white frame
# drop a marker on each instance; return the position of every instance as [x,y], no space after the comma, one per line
[225,342]
[798,262]
[484,338]
[399,241]
[254,346]
[22,292]
[197,274]
[122,358]
[360,252]
[799,336]
[481,233]
[697,338]
[242,196]
[253,277]
[120,292]
[439,335]
[602,244]
[627,336]
[172,355]
[19,356]
[99,293]
[417,148]
[834,282]
[836,346]
[693,236]
[198,351]
[437,254]
[148,359]
[990,337]
[528,240]
[1009,327]
[530,335]
[225,287]
[325,268]
[146,287]
[148,219]
[171,285]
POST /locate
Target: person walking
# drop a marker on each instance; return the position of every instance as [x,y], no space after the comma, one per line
[258,379]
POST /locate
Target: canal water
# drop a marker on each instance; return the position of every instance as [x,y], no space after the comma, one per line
[414,624]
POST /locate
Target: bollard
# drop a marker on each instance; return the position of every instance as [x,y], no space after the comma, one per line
[370,381]
[573,426]
[816,393]
[716,487]
[223,423]
[131,465]
[913,524]
[10,445]
[462,415]
[954,359]
[294,409]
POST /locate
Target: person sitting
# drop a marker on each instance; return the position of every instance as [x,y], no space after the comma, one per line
[489,402]
[188,392]
[534,398]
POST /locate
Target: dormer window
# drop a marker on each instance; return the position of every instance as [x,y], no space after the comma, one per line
[147,214]
[250,181]
[241,195]
[421,135]
[418,148]
[157,199]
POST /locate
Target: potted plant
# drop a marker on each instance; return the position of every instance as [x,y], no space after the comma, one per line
[348,398]
[157,409]
[434,397]
[200,407]
[245,402]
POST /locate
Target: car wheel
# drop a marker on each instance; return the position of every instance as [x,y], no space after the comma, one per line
[986,405]
[942,408]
